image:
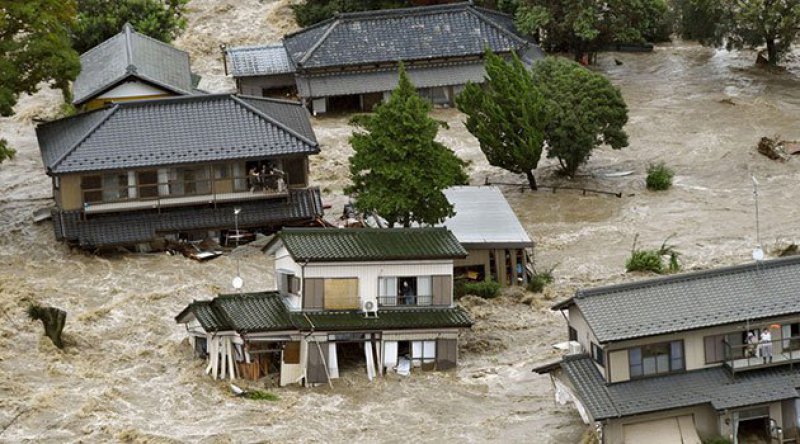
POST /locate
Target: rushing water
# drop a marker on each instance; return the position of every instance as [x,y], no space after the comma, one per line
[127,374]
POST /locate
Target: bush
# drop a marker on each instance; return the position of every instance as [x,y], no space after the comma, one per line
[659,177]
[258,395]
[540,280]
[653,260]
[487,289]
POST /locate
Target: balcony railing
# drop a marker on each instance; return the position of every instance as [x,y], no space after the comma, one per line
[762,354]
[174,193]
[405,301]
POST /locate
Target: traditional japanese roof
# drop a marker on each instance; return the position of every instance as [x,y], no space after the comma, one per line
[131,54]
[712,386]
[132,227]
[259,60]
[368,244]
[484,219]
[691,300]
[263,312]
[174,131]
[421,33]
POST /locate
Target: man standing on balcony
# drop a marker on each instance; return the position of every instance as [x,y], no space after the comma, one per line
[766,345]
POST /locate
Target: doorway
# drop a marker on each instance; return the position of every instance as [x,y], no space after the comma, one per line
[753,431]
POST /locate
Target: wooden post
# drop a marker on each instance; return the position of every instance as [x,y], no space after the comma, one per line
[229,342]
[214,357]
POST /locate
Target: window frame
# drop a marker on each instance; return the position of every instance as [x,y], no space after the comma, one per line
[598,355]
[671,359]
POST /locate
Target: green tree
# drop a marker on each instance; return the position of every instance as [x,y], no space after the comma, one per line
[585,111]
[736,24]
[310,12]
[34,49]
[583,27]
[98,20]
[398,169]
[508,116]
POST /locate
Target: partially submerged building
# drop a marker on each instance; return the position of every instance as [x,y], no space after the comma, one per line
[136,171]
[684,358]
[131,66]
[350,62]
[383,295]
[498,246]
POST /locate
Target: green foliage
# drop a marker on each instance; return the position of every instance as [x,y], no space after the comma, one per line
[653,260]
[98,20]
[585,111]
[487,289]
[717,440]
[540,280]
[398,169]
[6,152]
[659,177]
[508,115]
[737,24]
[258,395]
[310,12]
[585,26]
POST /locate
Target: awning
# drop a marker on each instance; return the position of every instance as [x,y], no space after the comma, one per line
[675,430]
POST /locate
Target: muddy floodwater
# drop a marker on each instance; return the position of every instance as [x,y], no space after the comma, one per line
[127,373]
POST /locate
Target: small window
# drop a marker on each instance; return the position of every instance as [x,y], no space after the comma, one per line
[294,286]
[573,334]
[597,355]
[656,359]
[92,187]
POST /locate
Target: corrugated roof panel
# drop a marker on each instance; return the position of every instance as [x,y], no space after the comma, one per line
[484,217]
[259,61]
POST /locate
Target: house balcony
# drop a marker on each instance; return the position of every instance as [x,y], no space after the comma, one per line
[167,194]
[405,301]
[743,357]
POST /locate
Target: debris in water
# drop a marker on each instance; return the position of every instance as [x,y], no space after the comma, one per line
[41,215]
[773,148]
[727,101]
[53,320]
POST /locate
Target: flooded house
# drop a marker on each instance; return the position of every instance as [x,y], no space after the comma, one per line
[350,62]
[188,167]
[498,247]
[688,357]
[373,299]
[131,66]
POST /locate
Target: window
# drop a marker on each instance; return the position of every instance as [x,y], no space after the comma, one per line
[92,188]
[115,187]
[715,346]
[573,334]
[791,336]
[406,290]
[148,183]
[597,355]
[656,359]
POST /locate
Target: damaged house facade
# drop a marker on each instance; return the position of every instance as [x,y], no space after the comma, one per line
[350,62]
[687,357]
[380,297]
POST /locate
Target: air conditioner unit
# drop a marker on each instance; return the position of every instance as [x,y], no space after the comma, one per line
[574,348]
[370,308]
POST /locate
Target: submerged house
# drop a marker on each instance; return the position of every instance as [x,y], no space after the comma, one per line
[350,62]
[136,171]
[498,246]
[380,297]
[131,66]
[687,357]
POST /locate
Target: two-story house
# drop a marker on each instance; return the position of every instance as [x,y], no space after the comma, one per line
[382,298]
[191,166]
[687,357]
[350,61]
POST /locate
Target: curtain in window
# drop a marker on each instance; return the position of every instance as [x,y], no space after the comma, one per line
[388,291]
[424,290]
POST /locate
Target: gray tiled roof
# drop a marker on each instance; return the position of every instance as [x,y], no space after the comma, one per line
[484,219]
[369,244]
[386,79]
[134,227]
[180,130]
[259,60]
[132,54]
[709,386]
[455,30]
[691,300]
[261,312]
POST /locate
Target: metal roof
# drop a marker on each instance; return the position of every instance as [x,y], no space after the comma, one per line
[173,131]
[419,33]
[484,219]
[712,386]
[132,227]
[368,244]
[362,82]
[259,60]
[691,300]
[131,54]
[262,312]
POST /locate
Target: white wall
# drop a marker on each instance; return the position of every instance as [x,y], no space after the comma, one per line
[131,89]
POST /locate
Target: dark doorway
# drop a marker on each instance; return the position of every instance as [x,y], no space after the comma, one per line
[753,431]
[344,103]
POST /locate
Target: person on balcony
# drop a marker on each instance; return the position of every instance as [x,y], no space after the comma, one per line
[253,179]
[408,294]
[766,345]
[752,343]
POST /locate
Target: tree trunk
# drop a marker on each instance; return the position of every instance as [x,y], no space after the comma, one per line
[531,180]
[772,52]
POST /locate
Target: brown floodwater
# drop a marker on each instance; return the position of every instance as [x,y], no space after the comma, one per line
[127,374]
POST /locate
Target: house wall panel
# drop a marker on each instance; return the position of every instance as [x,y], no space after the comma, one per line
[71,197]
[253,86]
[706,421]
[618,366]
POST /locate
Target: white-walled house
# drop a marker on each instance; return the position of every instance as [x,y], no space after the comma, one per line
[380,297]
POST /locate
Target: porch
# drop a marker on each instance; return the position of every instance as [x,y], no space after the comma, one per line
[759,355]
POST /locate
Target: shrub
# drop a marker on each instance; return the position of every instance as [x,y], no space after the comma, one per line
[487,289]
[659,177]
[540,280]
[653,260]
[258,395]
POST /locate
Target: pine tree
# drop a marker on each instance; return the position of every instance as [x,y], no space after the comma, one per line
[398,169]
[507,115]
